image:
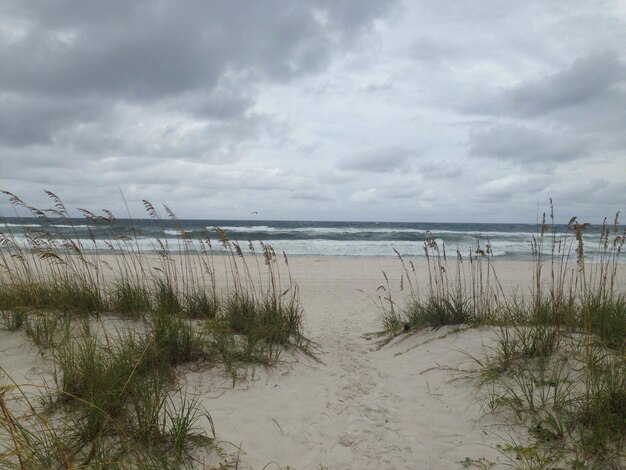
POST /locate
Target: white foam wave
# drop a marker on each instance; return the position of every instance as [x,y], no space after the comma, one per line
[21,225]
[320,230]
[70,226]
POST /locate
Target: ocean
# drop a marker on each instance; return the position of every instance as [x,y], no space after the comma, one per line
[309,238]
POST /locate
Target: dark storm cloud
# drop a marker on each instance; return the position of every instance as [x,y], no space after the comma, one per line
[151,96]
[586,79]
[377,160]
[72,62]
[34,120]
[228,101]
[145,49]
[523,144]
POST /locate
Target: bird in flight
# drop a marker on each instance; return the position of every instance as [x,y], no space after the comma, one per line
[254,212]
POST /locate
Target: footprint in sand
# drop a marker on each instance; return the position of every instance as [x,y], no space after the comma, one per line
[345,441]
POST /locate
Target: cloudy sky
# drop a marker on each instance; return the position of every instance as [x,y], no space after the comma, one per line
[455,110]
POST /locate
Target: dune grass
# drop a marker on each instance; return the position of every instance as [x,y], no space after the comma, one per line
[115,402]
[52,272]
[558,362]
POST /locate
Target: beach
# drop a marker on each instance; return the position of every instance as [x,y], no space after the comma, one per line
[405,405]
[359,404]
[378,234]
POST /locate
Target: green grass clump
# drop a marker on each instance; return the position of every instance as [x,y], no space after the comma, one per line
[240,313]
[174,340]
[120,389]
[200,304]
[68,295]
[281,323]
[166,298]
[602,412]
[256,331]
[93,373]
[608,320]
[47,331]
[436,312]
[13,320]
[462,297]
[155,431]
[266,319]
[129,299]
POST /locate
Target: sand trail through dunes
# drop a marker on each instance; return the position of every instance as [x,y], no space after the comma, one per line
[406,405]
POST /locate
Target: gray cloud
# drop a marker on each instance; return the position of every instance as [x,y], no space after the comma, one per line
[366,196]
[573,113]
[73,62]
[34,120]
[587,78]
[592,191]
[523,144]
[312,196]
[431,50]
[147,50]
[516,185]
[377,160]
[409,192]
[440,170]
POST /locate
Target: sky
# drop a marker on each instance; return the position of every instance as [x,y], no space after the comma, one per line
[381,110]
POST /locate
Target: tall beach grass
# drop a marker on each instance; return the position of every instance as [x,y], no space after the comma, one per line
[115,401]
[558,361]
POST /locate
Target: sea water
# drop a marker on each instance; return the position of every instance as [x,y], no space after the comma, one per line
[307,238]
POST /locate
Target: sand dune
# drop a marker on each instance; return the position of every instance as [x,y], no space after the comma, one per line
[406,405]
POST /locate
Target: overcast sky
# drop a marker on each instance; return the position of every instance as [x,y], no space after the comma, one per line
[455,110]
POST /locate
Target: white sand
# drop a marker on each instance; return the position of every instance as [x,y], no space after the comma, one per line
[407,405]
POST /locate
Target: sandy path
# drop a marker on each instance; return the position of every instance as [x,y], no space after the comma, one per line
[403,406]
